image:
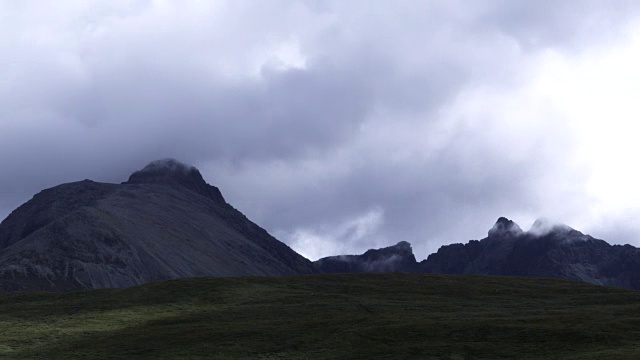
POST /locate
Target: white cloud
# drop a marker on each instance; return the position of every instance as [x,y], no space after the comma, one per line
[356,234]
[596,96]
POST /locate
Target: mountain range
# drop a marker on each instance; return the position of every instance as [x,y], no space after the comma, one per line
[167,222]
[547,250]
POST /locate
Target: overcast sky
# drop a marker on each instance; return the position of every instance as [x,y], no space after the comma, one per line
[337,125]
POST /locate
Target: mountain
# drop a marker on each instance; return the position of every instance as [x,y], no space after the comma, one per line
[396,258]
[548,250]
[165,222]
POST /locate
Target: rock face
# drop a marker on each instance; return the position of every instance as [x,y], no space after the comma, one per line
[396,258]
[165,222]
[547,249]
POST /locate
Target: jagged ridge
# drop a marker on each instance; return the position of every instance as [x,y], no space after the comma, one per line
[546,250]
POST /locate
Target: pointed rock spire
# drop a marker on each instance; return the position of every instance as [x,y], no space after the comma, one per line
[505,226]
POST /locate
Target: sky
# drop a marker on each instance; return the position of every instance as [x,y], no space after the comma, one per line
[338,126]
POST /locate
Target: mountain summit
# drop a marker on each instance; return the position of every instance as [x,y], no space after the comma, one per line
[165,222]
[174,173]
[505,227]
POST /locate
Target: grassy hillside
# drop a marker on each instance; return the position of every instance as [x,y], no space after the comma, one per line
[369,316]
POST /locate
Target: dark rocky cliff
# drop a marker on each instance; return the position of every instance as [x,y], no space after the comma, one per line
[165,222]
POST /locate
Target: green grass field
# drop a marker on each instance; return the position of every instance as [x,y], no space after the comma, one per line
[373,316]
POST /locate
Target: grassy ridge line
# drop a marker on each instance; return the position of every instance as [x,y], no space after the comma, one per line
[364,316]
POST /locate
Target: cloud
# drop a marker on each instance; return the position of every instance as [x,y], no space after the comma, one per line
[544,226]
[337,238]
[313,115]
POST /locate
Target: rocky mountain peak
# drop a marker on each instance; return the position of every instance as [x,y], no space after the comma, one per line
[504,227]
[176,173]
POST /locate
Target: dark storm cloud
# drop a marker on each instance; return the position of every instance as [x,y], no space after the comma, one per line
[342,120]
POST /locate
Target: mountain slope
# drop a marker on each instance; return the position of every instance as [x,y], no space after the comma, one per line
[353,316]
[165,222]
